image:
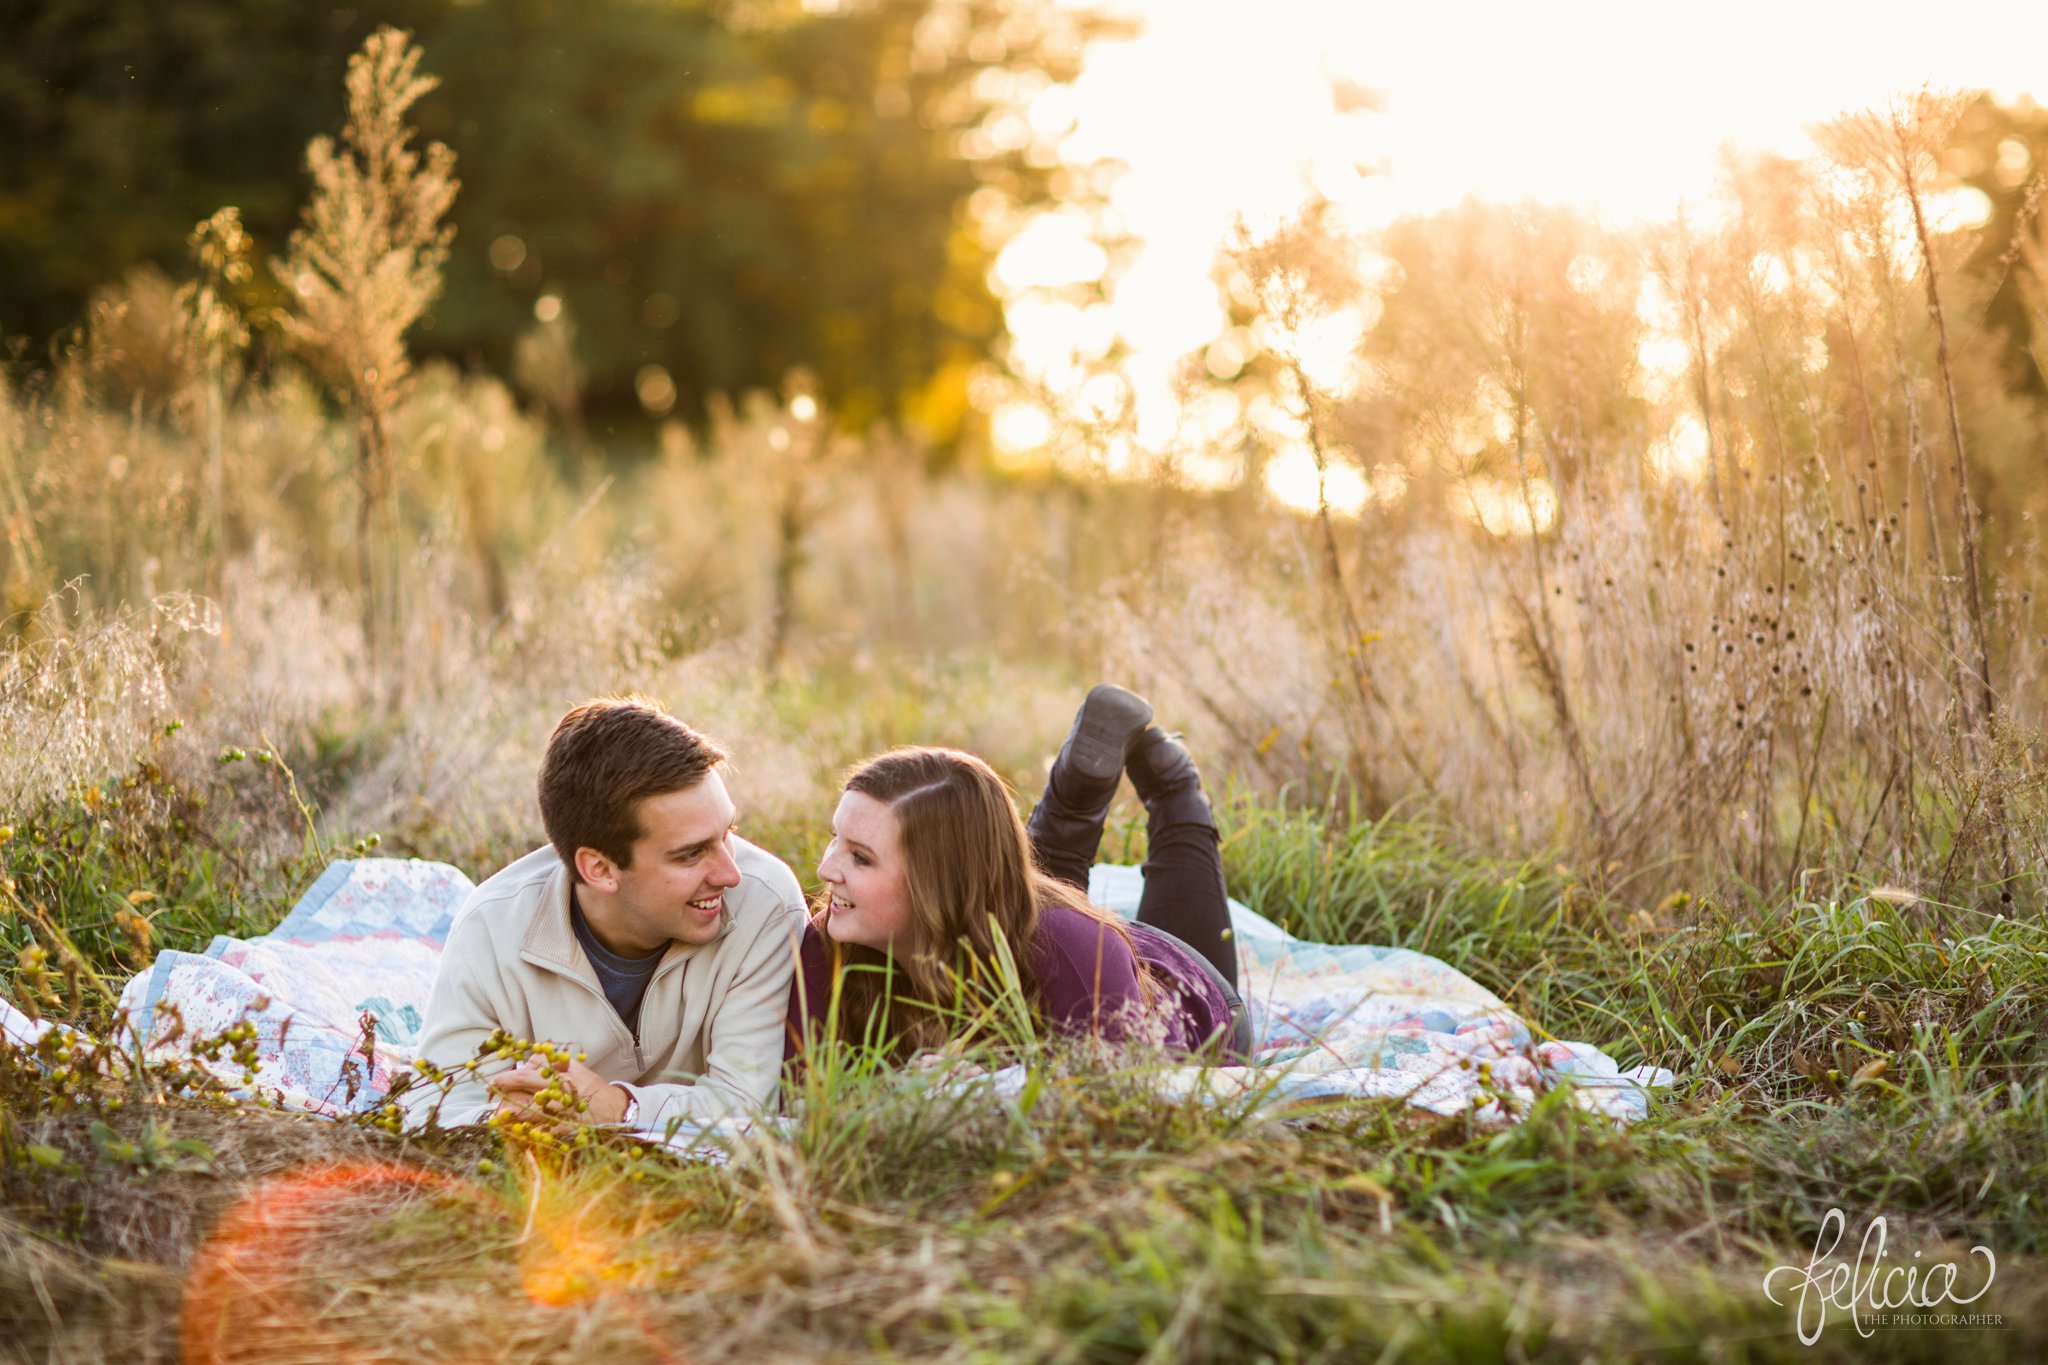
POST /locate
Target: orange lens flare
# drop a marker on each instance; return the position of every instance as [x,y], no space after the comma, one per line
[567,1264]
[255,1283]
[247,1280]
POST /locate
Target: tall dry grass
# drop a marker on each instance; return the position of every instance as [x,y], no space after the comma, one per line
[1709,550]
[1701,554]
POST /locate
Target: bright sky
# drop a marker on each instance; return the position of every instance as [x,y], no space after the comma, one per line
[1225,107]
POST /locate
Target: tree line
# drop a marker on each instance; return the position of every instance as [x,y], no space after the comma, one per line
[712,192]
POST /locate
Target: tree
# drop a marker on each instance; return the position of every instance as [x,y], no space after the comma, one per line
[729,201]
[719,191]
[126,121]
[2003,151]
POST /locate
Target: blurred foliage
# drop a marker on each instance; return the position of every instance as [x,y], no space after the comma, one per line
[1770,475]
[2003,151]
[1508,331]
[125,123]
[726,191]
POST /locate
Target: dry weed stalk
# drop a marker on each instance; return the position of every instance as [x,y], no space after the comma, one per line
[1299,275]
[1900,144]
[361,272]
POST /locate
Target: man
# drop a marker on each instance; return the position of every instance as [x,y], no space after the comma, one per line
[647,935]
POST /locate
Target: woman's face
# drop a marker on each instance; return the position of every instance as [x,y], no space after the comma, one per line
[864,871]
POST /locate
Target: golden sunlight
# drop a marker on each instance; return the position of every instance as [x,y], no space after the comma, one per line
[1682,453]
[1293,478]
[1504,509]
[1386,111]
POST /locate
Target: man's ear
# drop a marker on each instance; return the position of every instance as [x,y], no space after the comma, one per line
[597,870]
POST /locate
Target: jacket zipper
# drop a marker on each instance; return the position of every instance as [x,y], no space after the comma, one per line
[632,1036]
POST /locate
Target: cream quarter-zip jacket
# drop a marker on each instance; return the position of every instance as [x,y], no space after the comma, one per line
[711,1023]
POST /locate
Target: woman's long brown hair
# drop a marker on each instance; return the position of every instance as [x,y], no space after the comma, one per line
[970,874]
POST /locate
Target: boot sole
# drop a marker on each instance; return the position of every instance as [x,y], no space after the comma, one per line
[1109,717]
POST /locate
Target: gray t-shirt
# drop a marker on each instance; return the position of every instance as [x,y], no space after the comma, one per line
[624,979]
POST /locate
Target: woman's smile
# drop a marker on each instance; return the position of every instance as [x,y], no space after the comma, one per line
[864,876]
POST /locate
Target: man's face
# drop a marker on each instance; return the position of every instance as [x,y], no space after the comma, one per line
[675,886]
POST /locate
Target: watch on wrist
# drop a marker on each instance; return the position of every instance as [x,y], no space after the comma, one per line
[632,1110]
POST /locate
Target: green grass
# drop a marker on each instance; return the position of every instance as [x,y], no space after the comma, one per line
[1856,1054]
[122,869]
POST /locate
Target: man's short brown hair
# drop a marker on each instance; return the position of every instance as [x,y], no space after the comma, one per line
[605,758]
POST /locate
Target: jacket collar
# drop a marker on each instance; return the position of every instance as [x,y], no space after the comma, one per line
[551,939]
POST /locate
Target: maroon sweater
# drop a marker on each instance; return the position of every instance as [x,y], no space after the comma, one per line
[1087,984]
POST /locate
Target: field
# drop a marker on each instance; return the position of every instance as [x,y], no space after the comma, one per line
[1675,672]
[1830,1055]
[1869,1050]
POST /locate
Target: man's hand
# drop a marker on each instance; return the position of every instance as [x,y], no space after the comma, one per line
[519,1091]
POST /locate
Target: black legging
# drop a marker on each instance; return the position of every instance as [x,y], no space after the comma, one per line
[1183,876]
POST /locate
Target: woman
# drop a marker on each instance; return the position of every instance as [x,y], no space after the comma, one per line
[929,863]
